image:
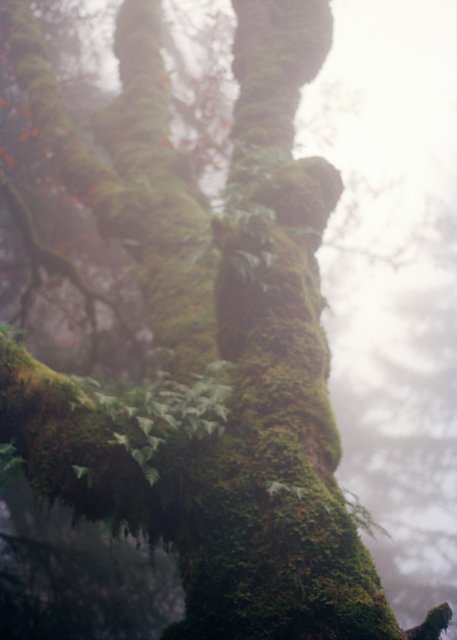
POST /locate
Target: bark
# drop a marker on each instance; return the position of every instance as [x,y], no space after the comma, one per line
[267,550]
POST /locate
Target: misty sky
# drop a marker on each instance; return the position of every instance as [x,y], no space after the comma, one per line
[388,96]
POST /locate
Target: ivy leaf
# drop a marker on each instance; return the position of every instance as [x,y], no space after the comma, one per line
[138,455]
[145,425]
[274,487]
[80,471]
[209,426]
[299,492]
[154,442]
[221,411]
[121,439]
[251,259]
[7,450]
[131,411]
[152,475]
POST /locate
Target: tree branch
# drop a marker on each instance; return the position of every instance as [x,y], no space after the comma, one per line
[57,428]
[437,620]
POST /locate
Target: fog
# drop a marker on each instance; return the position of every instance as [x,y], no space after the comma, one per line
[383,110]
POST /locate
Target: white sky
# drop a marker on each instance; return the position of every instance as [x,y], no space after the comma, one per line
[398,58]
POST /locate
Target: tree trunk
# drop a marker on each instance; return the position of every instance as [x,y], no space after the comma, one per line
[267,549]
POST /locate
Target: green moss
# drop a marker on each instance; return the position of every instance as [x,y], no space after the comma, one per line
[276,51]
[267,549]
[81,170]
[437,621]
[56,426]
[303,193]
[266,567]
[179,284]
[289,563]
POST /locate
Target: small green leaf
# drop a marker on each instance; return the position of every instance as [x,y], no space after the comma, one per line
[7,450]
[152,475]
[121,438]
[274,487]
[138,455]
[145,425]
[80,471]
[209,426]
[154,442]
[131,411]
[299,492]
[104,400]
[13,464]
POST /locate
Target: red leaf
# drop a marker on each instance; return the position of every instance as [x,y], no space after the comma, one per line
[8,158]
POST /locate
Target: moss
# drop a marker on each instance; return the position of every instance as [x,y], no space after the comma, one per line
[437,621]
[290,564]
[152,205]
[303,193]
[55,426]
[276,49]
[267,549]
[81,170]
[301,33]
[266,567]
[134,129]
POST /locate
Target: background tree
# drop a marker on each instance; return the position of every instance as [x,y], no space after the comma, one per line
[411,427]
[288,561]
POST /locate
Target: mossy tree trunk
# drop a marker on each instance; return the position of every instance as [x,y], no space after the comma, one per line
[267,550]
